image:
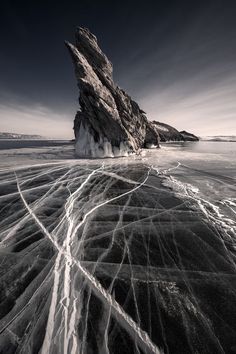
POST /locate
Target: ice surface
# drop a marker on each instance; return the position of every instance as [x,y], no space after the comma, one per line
[132,255]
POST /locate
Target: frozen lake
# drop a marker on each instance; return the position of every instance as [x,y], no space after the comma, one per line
[125,255]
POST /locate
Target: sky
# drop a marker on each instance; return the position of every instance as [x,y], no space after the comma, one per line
[176,58]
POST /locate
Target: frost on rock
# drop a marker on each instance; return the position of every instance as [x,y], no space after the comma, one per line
[161,127]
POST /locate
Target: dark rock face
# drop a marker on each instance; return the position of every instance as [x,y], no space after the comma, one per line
[188,136]
[168,133]
[109,122]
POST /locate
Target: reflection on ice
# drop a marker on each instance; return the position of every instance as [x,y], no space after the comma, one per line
[115,257]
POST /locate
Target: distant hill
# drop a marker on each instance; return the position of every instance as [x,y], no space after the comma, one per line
[226,138]
[4,135]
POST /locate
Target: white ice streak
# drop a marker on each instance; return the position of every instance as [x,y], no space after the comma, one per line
[36,205]
[165,171]
[124,319]
[210,210]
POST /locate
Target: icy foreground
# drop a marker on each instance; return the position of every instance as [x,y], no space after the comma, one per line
[100,257]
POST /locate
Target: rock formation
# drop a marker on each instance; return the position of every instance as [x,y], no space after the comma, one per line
[188,136]
[168,133]
[109,122]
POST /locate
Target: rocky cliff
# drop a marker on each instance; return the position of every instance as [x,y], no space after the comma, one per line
[169,133]
[109,123]
[188,136]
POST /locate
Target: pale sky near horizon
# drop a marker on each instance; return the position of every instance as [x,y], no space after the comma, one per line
[175,58]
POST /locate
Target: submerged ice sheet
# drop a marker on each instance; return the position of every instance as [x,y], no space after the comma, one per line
[116,256]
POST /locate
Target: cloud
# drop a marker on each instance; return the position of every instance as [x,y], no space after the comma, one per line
[36,119]
[204,105]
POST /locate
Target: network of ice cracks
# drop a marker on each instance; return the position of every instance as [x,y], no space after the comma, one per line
[104,259]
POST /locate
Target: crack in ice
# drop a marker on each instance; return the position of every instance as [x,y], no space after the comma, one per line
[123,318]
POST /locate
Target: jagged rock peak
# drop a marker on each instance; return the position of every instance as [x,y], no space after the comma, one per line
[109,122]
[87,44]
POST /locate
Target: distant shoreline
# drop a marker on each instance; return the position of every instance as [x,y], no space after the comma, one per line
[219,140]
[7,144]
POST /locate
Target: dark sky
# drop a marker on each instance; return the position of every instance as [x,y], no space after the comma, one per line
[176,58]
